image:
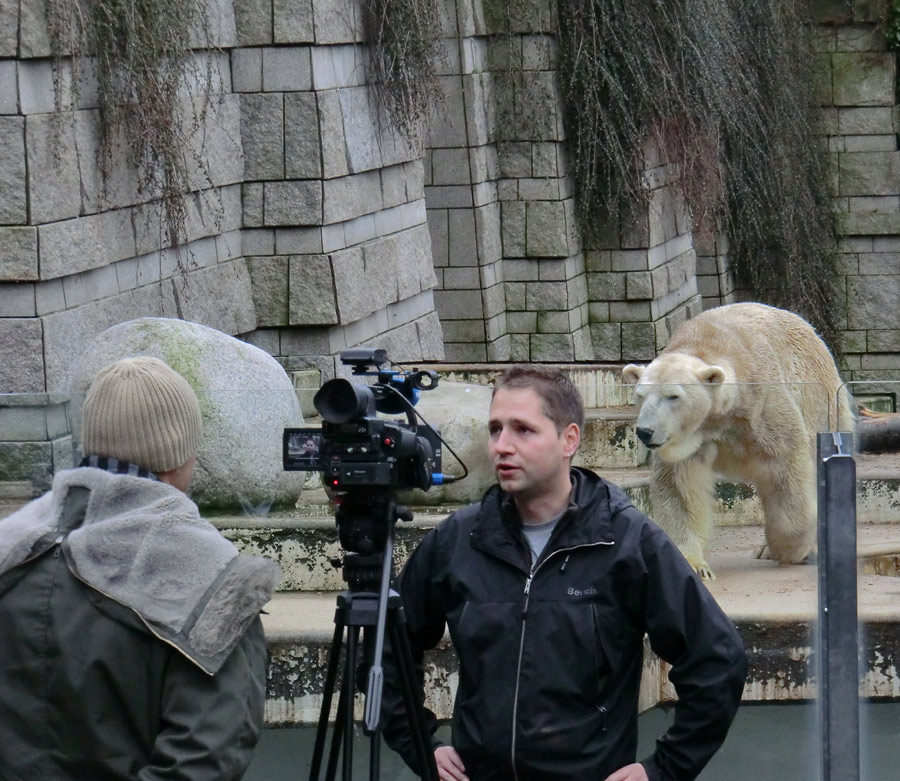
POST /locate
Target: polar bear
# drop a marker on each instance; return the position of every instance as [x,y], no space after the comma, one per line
[740,391]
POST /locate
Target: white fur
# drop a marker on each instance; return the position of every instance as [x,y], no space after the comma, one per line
[740,392]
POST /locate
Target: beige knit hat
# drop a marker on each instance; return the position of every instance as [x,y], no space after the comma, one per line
[142,411]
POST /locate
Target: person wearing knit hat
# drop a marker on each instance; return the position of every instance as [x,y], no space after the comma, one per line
[141,411]
[129,626]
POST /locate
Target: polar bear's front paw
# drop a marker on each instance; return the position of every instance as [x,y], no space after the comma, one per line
[704,571]
[762,552]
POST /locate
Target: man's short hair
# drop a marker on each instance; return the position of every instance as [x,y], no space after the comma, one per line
[142,411]
[561,400]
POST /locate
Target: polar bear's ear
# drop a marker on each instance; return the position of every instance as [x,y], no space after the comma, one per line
[714,375]
[632,373]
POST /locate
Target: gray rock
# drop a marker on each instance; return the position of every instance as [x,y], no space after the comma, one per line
[253,22]
[9,27]
[460,412]
[269,280]
[245,396]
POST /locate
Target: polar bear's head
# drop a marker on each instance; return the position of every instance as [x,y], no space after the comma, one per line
[675,395]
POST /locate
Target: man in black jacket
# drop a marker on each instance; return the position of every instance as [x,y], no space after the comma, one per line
[548,587]
[130,637]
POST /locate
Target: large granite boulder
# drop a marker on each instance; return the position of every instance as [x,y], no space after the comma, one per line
[460,412]
[245,396]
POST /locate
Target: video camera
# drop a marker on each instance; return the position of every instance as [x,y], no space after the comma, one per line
[354,448]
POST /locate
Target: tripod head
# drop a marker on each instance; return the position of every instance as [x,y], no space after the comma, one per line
[364,521]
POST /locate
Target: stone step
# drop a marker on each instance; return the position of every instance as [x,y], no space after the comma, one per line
[608,440]
[773,607]
[304,540]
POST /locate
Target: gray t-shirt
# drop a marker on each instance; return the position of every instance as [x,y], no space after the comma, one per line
[538,534]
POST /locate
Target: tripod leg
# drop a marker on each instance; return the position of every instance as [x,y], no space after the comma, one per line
[374,756]
[349,688]
[334,656]
[336,735]
[415,710]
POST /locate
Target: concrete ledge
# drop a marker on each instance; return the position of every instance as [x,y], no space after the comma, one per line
[773,607]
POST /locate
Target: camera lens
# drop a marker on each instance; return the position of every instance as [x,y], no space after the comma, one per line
[340,401]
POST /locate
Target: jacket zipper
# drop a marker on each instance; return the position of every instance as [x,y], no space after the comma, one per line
[534,572]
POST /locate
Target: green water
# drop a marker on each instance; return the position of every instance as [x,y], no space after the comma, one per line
[767,742]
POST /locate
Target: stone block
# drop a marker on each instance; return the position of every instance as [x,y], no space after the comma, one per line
[9,95]
[49,297]
[629,311]
[863,78]
[463,240]
[34,37]
[488,233]
[287,69]
[859,39]
[628,260]
[293,203]
[450,166]
[269,285]
[360,134]
[17,300]
[220,297]
[606,287]
[246,70]
[54,182]
[263,136]
[13,190]
[869,173]
[465,352]
[351,196]
[865,121]
[552,347]
[21,355]
[458,304]
[292,21]
[576,290]
[513,223]
[515,159]
[90,286]
[413,251]
[553,322]
[493,301]
[9,28]
[69,246]
[18,253]
[882,341]
[464,330]
[393,186]
[355,300]
[546,234]
[253,22]
[440,243]
[541,296]
[882,143]
[312,297]
[606,339]
[638,342]
[331,128]
[337,21]
[448,129]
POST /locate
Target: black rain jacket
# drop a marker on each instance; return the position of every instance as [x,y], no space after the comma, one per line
[550,662]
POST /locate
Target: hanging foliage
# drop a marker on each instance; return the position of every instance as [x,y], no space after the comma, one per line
[141,54]
[724,89]
[403,35]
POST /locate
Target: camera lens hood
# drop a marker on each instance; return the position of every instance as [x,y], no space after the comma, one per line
[340,401]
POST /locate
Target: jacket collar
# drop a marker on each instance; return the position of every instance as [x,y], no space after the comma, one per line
[588,520]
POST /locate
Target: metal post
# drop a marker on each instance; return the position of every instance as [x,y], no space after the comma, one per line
[838,647]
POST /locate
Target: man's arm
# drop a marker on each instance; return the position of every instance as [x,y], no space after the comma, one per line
[688,629]
[211,723]
[425,621]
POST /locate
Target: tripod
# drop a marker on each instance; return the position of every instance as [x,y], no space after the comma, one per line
[365,526]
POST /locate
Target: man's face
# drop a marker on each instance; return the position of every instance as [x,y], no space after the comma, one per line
[530,458]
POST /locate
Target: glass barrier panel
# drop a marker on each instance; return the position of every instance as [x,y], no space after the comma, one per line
[876,431]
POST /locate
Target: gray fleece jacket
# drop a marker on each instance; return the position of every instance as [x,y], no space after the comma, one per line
[130,633]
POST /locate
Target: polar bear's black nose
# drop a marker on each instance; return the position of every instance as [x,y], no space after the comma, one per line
[645,435]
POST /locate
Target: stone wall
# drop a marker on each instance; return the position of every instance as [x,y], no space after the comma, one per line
[323,227]
[858,89]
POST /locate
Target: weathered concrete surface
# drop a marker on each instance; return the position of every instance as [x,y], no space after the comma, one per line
[774,608]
